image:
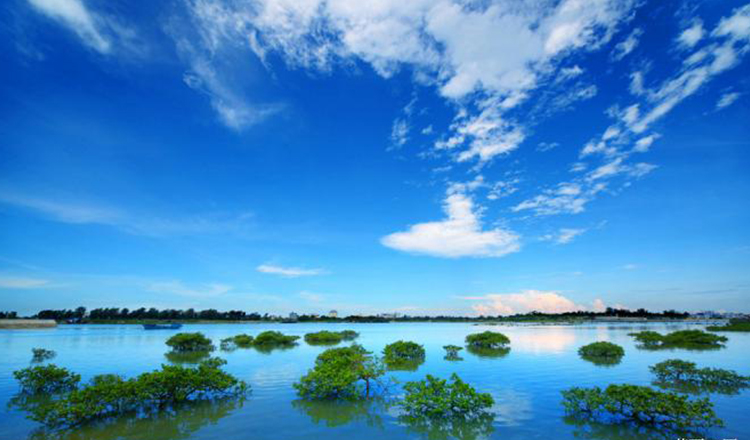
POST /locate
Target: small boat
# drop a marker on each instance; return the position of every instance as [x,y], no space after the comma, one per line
[173,326]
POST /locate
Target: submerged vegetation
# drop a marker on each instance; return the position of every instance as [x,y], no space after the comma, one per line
[602,353]
[341,373]
[734,325]
[110,395]
[403,355]
[186,342]
[689,339]
[324,337]
[687,377]
[487,340]
[237,341]
[434,397]
[451,353]
[46,379]
[272,338]
[41,354]
[640,405]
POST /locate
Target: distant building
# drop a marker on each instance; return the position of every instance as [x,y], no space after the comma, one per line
[293,316]
[333,314]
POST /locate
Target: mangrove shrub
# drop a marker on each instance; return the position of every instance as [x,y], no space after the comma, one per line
[237,341]
[437,398]
[451,352]
[183,342]
[488,339]
[602,353]
[734,325]
[110,395]
[686,376]
[41,354]
[271,338]
[640,404]
[323,337]
[46,379]
[346,372]
[403,355]
[690,339]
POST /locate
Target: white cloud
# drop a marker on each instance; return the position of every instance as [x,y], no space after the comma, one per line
[12,282]
[692,35]
[289,272]
[567,73]
[527,301]
[399,133]
[627,45]
[564,235]
[643,144]
[74,15]
[726,100]
[198,291]
[459,235]
[566,198]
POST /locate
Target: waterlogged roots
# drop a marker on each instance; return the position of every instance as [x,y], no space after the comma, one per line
[687,339]
[451,353]
[403,356]
[640,405]
[42,354]
[489,353]
[110,395]
[602,353]
[685,376]
[234,342]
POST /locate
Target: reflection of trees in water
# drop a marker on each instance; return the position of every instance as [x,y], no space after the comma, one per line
[338,413]
[178,423]
[411,365]
[187,357]
[584,428]
[698,388]
[488,352]
[451,427]
[602,361]
[269,348]
[673,347]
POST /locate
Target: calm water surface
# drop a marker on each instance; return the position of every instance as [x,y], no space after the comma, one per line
[525,383]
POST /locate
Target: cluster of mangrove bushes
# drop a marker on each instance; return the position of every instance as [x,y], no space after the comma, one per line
[326,337]
[734,325]
[602,353]
[688,339]
[110,395]
[403,355]
[346,372]
[687,377]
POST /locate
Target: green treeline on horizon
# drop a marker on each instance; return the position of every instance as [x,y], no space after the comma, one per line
[124,314]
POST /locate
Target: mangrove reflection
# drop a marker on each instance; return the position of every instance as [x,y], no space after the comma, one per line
[458,428]
[584,428]
[602,361]
[178,423]
[488,352]
[404,365]
[338,413]
[188,357]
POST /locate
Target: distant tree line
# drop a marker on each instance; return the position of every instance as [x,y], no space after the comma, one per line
[124,314]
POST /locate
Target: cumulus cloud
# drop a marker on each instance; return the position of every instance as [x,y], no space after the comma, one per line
[461,234]
[692,35]
[289,272]
[527,301]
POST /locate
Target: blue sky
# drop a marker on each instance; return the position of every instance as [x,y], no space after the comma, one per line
[421,157]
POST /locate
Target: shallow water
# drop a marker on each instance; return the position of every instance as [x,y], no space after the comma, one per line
[526,382]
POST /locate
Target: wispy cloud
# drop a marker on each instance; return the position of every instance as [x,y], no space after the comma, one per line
[196,291]
[564,235]
[13,282]
[289,272]
[726,100]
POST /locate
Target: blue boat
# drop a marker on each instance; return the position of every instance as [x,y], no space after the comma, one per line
[173,326]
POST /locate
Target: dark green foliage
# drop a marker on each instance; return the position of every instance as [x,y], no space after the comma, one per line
[323,337]
[110,395]
[183,342]
[42,354]
[272,338]
[640,404]
[438,398]
[689,339]
[734,325]
[341,373]
[686,376]
[488,339]
[348,335]
[403,356]
[237,341]
[451,353]
[46,379]
[602,353]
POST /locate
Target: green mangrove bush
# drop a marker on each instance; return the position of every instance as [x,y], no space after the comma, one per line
[438,398]
[686,376]
[640,404]
[46,379]
[110,395]
[323,337]
[602,353]
[403,355]
[348,335]
[41,354]
[237,341]
[734,325]
[183,342]
[487,339]
[271,338]
[341,373]
[690,339]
